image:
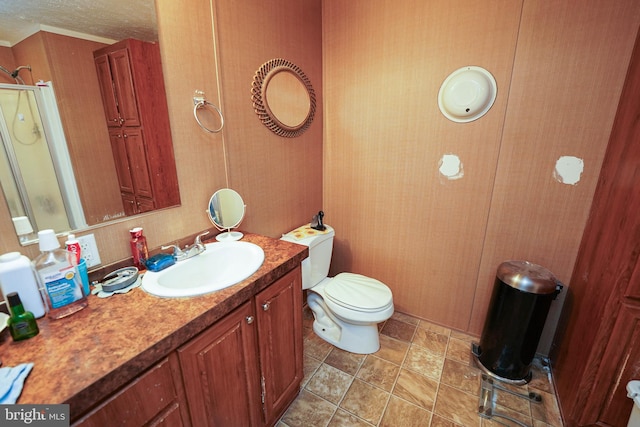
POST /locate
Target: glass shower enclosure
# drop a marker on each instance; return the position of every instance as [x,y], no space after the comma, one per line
[36,173]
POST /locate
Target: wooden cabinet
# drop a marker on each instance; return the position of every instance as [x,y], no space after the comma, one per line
[247,368]
[598,343]
[153,399]
[133,95]
[130,157]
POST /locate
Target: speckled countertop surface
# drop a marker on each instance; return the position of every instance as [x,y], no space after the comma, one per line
[83,358]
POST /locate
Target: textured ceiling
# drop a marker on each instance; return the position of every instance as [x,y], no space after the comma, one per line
[109,19]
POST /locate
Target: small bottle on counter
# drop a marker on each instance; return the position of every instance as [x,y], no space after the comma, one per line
[139,248]
[17,275]
[60,283]
[73,245]
[22,324]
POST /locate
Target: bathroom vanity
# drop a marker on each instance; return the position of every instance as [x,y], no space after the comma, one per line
[233,357]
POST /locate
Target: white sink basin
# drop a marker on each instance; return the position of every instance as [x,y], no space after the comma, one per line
[223,264]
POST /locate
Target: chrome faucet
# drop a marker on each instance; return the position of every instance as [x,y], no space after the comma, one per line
[189,251]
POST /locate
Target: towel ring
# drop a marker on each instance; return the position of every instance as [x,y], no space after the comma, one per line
[200,102]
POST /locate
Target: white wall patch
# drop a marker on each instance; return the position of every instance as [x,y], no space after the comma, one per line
[568,170]
[450,167]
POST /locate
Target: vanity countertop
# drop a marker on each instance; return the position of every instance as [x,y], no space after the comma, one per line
[83,358]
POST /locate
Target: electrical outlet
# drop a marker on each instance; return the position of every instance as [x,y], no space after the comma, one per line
[89,250]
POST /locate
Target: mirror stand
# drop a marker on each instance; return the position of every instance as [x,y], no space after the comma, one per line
[229,236]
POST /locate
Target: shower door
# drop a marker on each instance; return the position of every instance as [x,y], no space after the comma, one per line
[35,169]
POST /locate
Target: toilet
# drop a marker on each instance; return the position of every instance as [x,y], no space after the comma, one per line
[348,307]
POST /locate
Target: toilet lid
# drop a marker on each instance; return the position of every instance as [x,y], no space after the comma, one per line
[358,292]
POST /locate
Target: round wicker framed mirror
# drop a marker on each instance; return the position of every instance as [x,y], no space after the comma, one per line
[283,98]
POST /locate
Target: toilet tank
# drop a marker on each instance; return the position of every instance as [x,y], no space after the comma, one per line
[315,268]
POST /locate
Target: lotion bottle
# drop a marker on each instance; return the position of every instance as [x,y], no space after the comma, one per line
[139,248]
[60,283]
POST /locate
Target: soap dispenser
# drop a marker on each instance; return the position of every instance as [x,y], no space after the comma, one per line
[60,283]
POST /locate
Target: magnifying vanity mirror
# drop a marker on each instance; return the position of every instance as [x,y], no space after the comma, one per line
[226,211]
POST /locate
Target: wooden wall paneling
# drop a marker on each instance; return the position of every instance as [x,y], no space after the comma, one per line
[568,73]
[280,179]
[396,218]
[606,266]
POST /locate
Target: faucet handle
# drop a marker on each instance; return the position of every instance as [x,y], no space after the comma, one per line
[198,240]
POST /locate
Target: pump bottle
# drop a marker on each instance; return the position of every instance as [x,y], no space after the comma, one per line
[60,283]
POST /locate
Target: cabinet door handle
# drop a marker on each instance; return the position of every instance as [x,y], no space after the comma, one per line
[250,319]
[266,306]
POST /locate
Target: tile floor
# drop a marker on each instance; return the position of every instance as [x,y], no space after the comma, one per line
[423,375]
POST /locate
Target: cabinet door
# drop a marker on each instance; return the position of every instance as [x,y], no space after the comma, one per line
[137,158]
[279,314]
[153,398]
[220,372]
[608,402]
[121,160]
[124,87]
[105,81]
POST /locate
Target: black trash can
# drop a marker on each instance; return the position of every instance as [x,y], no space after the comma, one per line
[519,306]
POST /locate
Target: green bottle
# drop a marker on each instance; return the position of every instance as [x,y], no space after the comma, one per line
[22,324]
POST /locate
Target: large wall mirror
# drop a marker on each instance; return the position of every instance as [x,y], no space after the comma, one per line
[55,39]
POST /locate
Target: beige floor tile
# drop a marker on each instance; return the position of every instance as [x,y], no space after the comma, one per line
[423,375]
[496,420]
[438,421]
[392,350]
[344,419]
[309,366]
[345,361]
[461,376]
[308,410]
[458,406]
[416,389]
[432,341]
[434,328]
[399,330]
[378,372]
[421,360]
[365,401]
[548,411]
[460,350]
[316,347]
[329,383]
[464,337]
[402,413]
[405,318]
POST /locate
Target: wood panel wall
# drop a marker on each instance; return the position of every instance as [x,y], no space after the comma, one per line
[437,242]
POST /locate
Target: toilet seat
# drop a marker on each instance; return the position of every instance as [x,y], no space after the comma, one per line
[359,293]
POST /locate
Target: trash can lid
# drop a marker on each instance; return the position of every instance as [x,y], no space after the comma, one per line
[528,277]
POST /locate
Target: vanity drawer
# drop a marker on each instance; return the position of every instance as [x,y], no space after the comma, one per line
[152,396]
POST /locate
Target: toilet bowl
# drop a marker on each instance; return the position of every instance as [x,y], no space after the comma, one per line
[346,308]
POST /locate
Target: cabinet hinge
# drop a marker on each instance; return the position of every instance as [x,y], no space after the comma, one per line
[263,388]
